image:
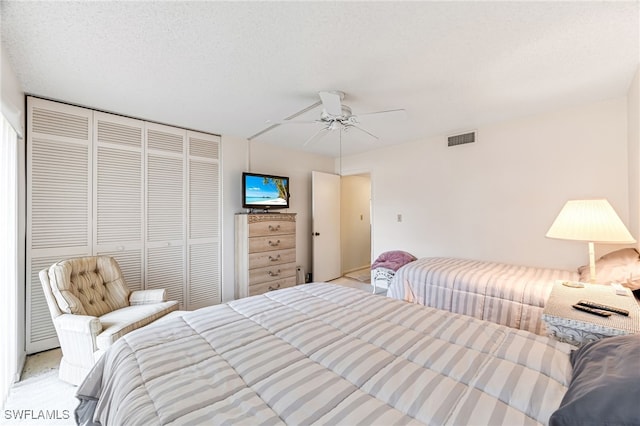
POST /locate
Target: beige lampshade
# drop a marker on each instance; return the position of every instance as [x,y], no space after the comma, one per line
[590,220]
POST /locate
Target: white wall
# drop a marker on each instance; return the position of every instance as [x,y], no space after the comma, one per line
[239,155]
[298,166]
[234,162]
[13,107]
[495,199]
[13,103]
[355,222]
[633,131]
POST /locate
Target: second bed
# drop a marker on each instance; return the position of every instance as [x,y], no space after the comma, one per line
[510,295]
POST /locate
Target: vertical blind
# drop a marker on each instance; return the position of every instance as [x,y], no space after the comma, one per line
[8,258]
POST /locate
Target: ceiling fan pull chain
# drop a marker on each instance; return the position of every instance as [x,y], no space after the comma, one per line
[340,150]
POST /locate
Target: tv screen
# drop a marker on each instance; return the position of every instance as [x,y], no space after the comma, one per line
[261,191]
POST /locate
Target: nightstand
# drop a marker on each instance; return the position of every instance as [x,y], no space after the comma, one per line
[578,328]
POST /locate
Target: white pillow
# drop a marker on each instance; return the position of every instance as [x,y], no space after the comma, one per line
[621,266]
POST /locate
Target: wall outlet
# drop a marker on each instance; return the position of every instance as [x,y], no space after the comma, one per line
[399,217]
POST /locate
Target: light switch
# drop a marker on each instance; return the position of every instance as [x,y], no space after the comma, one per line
[399,217]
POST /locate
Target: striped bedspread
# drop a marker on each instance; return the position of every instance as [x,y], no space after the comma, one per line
[506,294]
[326,354]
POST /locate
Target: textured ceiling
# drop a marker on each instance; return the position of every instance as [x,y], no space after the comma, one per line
[228,67]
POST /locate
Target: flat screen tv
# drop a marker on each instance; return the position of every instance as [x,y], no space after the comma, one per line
[261,192]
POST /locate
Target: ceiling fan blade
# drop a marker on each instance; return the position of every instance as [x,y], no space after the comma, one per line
[273,126]
[362,130]
[294,122]
[317,135]
[332,102]
[388,111]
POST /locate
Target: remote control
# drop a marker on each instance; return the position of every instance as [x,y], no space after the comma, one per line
[602,307]
[593,311]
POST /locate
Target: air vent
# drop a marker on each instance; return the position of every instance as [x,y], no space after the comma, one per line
[461,139]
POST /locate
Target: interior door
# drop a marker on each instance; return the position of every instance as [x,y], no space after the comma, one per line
[325,211]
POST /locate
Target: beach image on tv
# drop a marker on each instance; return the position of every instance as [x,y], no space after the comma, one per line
[266,191]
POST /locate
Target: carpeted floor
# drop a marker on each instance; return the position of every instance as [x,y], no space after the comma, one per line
[40,397]
[350,282]
[362,275]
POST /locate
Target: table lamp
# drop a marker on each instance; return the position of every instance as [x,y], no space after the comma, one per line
[594,221]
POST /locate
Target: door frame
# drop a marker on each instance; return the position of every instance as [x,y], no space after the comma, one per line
[354,172]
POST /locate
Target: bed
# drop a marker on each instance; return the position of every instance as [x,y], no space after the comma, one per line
[505,294]
[326,354]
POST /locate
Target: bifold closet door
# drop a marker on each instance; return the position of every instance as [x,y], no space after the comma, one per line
[59,207]
[118,186]
[203,243]
[144,193]
[166,210]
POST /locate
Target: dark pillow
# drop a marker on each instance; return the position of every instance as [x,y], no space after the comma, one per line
[621,266]
[605,384]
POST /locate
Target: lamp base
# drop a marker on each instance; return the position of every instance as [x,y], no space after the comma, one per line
[592,263]
[573,284]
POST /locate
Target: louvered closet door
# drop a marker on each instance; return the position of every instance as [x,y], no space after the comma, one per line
[118,193]
[166,210]
[58,202]
[203,242]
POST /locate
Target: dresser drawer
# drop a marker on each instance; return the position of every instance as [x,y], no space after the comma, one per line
[270,258]
[275,242]
[270,273]
[265,247]
[271,285]
[271,227]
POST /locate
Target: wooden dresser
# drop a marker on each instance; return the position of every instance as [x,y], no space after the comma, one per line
[265,252]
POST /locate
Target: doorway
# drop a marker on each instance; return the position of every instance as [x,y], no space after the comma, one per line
[355,226]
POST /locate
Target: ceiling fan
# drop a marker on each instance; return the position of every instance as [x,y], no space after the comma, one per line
[334,115]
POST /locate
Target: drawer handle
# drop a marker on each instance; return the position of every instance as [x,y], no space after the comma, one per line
[274,228]
[274,259]
[274,274]
[274,288]
[272,244]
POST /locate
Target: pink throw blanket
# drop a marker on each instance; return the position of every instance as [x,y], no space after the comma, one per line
[393,260]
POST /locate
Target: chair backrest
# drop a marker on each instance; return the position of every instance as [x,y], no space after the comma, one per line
[91,285]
